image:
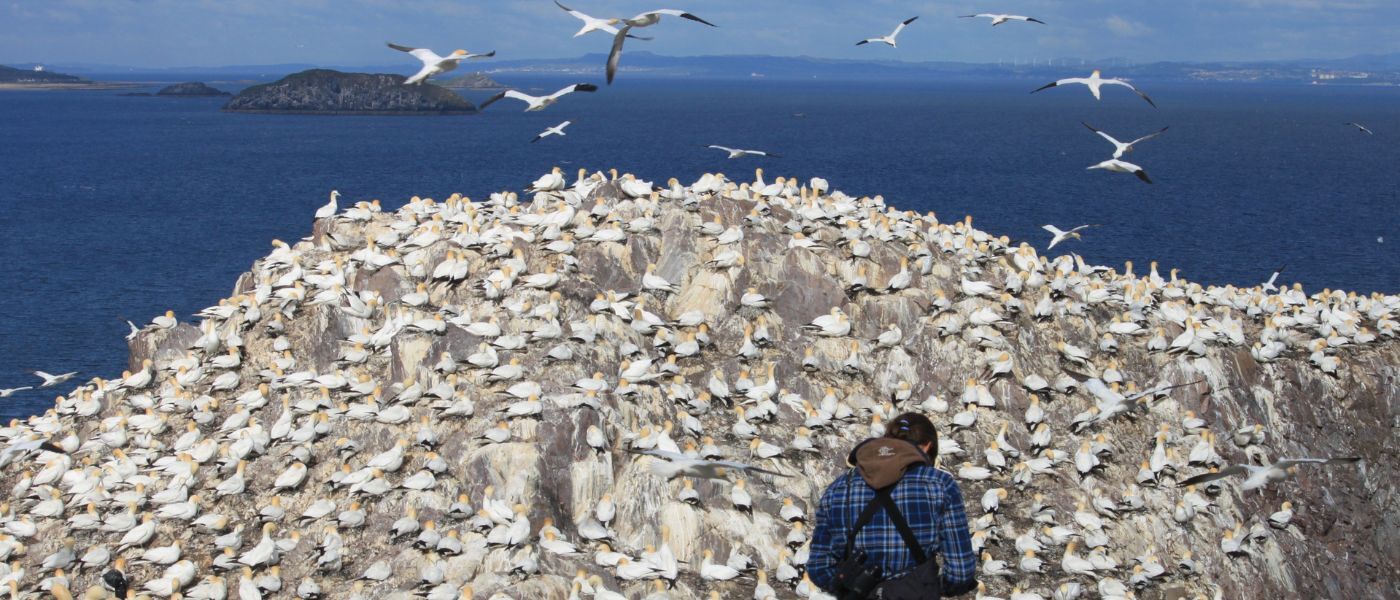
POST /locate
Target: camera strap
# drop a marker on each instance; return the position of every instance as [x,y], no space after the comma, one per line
[884,499]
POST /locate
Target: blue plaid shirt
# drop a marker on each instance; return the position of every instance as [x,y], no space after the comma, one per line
[931,503]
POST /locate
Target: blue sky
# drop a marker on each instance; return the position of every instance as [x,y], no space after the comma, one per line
[166,33]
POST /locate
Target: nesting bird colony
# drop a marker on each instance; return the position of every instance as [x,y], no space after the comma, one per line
[495,399]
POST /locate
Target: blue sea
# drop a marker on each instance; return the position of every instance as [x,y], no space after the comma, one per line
[120,208]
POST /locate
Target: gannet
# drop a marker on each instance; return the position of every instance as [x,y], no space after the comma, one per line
[329,209]
[672,465]
[434,64]
[738,153]
[1121,148]
[1095,84]
[594,24]
[7,392]
[646,19]
[1259,476]
[1061,236]
[555,130]
[998,19]
[1360,127]
[1121,166]
[889,39]
[53,380]
[535,103]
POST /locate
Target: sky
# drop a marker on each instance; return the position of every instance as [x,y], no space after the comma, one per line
[176,33]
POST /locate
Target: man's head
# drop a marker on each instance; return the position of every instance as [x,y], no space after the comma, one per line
[915,429]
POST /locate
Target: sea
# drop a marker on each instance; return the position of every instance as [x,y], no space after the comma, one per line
[116,208]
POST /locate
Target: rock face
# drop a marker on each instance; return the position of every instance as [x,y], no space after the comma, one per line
[322,91]
[472,81]
[192,88]
[474,374]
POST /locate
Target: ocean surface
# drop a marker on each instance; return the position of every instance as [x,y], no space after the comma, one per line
[115,208]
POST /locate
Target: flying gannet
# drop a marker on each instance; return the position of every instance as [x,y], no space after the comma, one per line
[1095,84]
[738,153]
[646,19]
[555,130]
[998,19]
[1121,148]
[1360,127]
[591,23]
[1121,166]
[673,465]
[434,64]
[540,102]
[1259,476]
[891,38]
[1061,236]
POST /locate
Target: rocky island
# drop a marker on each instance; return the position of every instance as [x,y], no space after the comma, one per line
[472,81]
[448,399]
[327,92]
[191,89]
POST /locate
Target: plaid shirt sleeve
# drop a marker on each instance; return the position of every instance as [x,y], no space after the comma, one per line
[822,559]
[959,561]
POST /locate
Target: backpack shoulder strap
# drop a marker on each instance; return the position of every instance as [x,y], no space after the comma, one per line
[884,497]
[864,519]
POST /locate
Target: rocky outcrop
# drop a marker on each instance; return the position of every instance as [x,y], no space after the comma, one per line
[327,92]
[192,88]
[13,75]
[472,81]
[437,364]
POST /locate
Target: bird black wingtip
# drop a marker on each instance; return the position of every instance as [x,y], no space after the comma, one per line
[1046,86]
[911,19]
[697,19]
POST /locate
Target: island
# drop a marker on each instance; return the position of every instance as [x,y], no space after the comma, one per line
[472,81]
[328,92]
[191,89]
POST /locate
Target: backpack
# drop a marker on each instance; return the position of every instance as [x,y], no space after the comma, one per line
[855,580]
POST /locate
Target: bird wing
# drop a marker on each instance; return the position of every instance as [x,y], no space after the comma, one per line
[1110,138]
[1140,172]
[675,13]
[1292,462]
[561,126]
[1274,278]
[616,52]
[577,87]
[729,464]
[1130,86]
[1055,231]
[486,55]
[762,153]
[1221,474]
[1034,20]
[44,375]
[864,42]
[724,148]
[1081,227]
[505,94]
[1149,136]
[427,56]
[1048,86]
[901,25]
[577,15]
[979,15]
[1360,127]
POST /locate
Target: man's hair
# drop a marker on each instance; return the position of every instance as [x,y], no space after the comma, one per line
[913,428]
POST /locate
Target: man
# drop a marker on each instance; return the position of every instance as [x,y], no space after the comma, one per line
[927,499]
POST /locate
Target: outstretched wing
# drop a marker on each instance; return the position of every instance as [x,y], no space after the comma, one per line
[864,42]
[1221,474]
[901,25]
[506,94]
[423,54]
[1142,174]
[1149,136]
[1033,20]
[1105,135]
[1055,231]
[577,87]
[1046,87]
[1293,462]
[1082,227]
[724,148]
[616,53]
[675,13]
[978,15]
[576,14]
[738,466]
[1130,86]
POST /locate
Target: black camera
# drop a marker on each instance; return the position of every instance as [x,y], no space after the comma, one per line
[854,579]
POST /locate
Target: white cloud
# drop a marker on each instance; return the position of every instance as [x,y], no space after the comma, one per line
[1126,27]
